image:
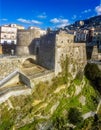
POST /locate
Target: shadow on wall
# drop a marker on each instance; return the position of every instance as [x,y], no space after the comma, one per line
[33,46]
[44,50]
[92,52]
[93,73]
[28,63]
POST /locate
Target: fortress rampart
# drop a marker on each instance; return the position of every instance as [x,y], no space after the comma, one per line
[11,63]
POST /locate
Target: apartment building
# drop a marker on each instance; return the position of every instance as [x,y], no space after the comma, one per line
[97,37]
[81,35]
[8,35]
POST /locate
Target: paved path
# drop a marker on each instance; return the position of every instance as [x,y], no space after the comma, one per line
[91,113]
[15,92]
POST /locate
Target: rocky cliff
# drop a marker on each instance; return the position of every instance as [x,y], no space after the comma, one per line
[69,102]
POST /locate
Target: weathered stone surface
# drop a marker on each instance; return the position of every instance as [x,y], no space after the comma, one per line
[82,100]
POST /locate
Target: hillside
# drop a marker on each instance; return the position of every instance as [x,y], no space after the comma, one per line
[95,21]
[67,103]
[87,23]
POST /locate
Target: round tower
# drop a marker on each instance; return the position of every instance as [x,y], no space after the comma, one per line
[26,40]
[23,41]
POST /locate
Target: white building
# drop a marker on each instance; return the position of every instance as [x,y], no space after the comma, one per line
[97,37]
[8,35]
[19,27]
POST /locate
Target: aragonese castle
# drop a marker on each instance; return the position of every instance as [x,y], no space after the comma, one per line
[38,54]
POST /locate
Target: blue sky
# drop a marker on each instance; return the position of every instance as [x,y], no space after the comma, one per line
[47,13]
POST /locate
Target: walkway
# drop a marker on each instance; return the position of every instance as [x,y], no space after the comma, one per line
[13,91]
[91,113]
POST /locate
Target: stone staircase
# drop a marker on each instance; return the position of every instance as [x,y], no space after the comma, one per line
[13,89]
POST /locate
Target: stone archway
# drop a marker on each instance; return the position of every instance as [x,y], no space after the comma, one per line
[30,68]
[27,63]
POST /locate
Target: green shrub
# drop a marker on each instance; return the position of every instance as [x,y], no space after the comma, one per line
[74,116]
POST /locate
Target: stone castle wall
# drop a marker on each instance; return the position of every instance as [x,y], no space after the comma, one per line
[46,51]
[49,48]
[10,64]
[54,46]
[25,41]
[92,52]
[7,66]
[65,46]
[49,51]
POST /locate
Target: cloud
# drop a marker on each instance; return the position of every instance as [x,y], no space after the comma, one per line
[98,10]
[74,17]
[29,21]
[59,22]
[3,19]
[62,25]
[86,11]
[35,22]
[55,20]
[42,16]
[23,20]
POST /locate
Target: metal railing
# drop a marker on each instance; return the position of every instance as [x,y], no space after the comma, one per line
[3,81]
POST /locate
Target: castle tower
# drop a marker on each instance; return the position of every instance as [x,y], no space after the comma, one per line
[23,40]
[26,40]
[63,47]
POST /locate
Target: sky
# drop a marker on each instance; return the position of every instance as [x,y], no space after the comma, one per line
[47,13]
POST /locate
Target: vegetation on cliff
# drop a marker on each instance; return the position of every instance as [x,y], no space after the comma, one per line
[61,105]
[93,73]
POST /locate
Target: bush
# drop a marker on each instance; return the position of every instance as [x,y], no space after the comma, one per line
[59,123]
[74,116]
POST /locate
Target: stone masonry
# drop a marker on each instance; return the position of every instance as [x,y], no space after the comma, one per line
[55,45]
[65,46]
[46,50]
